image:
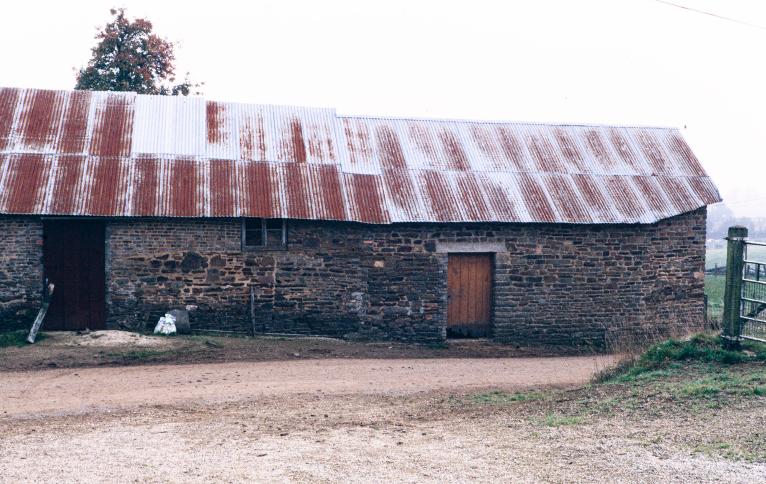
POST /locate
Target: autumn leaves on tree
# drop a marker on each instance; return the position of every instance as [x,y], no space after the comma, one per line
[130,57]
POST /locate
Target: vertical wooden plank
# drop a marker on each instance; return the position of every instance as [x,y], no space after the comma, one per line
[459,300]
[478,289]
[472,299]
[488,289]
[461,289]
[451,303]
[469,311]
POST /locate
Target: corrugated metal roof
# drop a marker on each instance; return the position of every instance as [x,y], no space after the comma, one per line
[122,154]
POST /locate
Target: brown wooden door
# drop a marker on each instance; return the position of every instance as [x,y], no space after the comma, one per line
[73,260]
[469,281]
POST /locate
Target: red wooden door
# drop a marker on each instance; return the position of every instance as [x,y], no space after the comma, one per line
[73,260]
[469,282]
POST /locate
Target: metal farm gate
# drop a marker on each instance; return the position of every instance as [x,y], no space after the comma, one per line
[744,314]
[753,298]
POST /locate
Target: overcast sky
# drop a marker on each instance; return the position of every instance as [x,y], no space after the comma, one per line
[628,61]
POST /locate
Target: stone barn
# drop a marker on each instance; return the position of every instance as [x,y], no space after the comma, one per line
[275,219]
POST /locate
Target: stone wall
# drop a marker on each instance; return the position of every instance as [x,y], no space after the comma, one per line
[595,284]
[336,279]
[21,278]
[560,284]
[674,283]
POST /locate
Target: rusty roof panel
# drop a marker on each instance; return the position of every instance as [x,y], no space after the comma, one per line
[25,179]
[622,146]
[703,187]
[653,151]
[366,199]
[9,103]
[676,146]
[106,181]
[653,194]
[258,189]
[680,194]
[66,176]
[472,197]
[297,190]
[535,197]
[503,206]
[145,186]
[122,154]
[403,196]
[362,156]
[440,198]
[40,120]
[74,131]
[596,198]
[184,180]
[223,188]
[328,200]
[570,205]
[112,124]
[627,201]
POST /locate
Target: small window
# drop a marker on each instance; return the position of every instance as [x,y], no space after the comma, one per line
[264,233]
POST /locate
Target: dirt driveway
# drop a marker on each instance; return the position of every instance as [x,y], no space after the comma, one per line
[83,390]
[351,420]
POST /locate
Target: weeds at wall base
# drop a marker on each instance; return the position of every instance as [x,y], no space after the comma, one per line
[17,338]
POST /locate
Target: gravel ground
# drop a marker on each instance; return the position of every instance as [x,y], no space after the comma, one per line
[308,438]
[350,420]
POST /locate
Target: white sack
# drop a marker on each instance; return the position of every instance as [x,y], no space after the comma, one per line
[166,325]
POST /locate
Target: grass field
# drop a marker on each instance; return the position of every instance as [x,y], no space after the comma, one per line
[714,284]
[717,257]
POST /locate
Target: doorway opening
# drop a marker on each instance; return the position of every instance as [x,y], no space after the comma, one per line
[469,282]
[73,260]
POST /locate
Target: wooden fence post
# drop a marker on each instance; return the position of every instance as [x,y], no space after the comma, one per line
[733,290]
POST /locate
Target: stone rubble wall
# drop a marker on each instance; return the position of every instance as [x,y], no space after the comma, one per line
[21,271]
[557,284]
[554,284]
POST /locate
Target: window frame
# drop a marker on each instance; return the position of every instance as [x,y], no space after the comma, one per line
[264,234]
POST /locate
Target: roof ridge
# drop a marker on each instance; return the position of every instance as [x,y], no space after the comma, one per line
[506,121]
[334,110]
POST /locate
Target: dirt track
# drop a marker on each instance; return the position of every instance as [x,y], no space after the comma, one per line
[67,391]
[345,420]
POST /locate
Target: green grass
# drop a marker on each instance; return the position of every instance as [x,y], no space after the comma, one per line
[665,359]
[17,338]
[717,257]
[500,398]
[714,286]
[697,371]
[556,420]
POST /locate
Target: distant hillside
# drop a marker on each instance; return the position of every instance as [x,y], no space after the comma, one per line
[720,218]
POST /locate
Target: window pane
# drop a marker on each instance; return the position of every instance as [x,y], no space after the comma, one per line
[274,224]
[274,238]
[253,238]
[259,232]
